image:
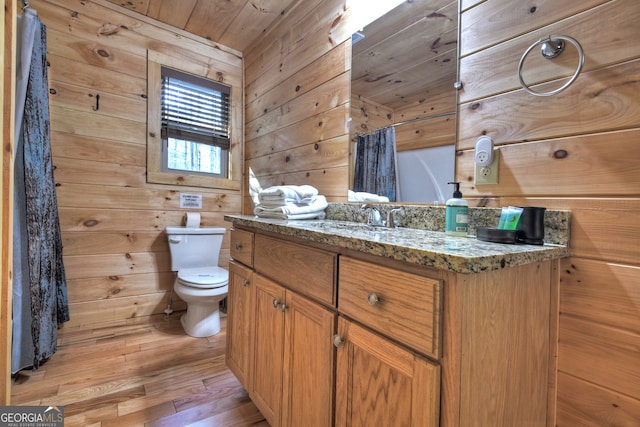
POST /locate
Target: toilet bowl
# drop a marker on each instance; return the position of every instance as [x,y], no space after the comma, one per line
[202,289]
[200,283]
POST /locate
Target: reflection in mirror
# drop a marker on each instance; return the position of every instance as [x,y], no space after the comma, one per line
[403,73]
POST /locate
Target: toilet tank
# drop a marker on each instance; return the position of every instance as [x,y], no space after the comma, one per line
[192,247]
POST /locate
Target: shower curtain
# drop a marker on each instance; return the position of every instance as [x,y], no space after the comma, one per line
[40,300]
[375,167]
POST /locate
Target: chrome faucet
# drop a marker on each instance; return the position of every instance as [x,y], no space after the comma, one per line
[391,222]
[373,218]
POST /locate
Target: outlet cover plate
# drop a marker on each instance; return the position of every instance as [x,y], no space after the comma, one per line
[489,174]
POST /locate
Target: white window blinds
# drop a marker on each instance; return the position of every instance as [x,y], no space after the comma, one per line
[194,109]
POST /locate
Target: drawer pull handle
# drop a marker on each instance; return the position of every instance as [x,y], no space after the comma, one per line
[337,341]
[238,246]
[245,282]
[276,303]
[283,307]
[373,299]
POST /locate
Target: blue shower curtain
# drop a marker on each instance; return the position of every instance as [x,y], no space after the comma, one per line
[39,285]
[375,167]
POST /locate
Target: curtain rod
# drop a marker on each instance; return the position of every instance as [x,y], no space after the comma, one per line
[407,122]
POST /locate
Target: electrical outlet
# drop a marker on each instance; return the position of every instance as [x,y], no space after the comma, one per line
[484,151]
[488,174]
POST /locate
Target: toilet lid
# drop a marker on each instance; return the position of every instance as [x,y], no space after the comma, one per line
[204,277]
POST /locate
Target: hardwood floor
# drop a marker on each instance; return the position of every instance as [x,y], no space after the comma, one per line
[142,372]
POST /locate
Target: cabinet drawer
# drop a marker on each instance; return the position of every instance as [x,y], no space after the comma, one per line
[403,306]
[242,246]
[308,271]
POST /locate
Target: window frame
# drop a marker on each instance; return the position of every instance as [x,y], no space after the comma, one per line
[155,171]
[164,165]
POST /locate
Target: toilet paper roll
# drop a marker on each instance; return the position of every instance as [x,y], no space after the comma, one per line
[192,219]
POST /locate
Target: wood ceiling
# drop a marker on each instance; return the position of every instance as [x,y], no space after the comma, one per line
[232,23]
[407,55]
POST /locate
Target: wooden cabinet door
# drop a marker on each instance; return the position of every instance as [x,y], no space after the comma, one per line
[268,345]
[239,317]
[309,356]
[379,383]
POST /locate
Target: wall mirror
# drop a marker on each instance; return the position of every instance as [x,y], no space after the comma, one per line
[404,67]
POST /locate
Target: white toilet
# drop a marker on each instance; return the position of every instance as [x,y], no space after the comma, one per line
[199,282]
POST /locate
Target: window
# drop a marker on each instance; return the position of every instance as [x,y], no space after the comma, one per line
[194,124]
[194,140]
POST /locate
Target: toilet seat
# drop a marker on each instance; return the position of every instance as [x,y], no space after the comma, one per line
[204,277]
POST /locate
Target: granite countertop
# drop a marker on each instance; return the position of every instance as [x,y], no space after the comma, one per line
[422,247]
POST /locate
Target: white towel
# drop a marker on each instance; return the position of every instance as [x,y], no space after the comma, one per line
[361,196]
[311,215]
[280,195]
[311,210]
[277,203]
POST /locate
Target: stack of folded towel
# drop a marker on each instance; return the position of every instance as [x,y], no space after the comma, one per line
[291,202]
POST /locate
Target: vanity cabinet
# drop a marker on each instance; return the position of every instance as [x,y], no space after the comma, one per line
[333,336]
[288,331]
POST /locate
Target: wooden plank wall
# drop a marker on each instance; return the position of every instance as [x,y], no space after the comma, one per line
[578,150]
[297,101]
[115,251]
[403,73]
[432,128]
[432,121]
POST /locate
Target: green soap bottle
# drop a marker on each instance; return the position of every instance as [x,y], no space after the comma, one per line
[457,213]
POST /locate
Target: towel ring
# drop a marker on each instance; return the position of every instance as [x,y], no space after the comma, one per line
[552,46]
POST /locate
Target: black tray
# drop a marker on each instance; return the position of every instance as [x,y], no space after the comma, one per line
[496,235]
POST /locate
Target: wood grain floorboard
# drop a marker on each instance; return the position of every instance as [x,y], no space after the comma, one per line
[140,372]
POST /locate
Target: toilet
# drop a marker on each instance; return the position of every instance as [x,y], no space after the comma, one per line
[200,282]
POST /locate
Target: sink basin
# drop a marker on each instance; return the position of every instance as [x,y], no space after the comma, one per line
[345,225]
